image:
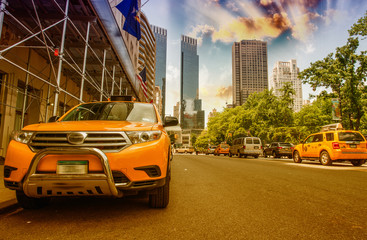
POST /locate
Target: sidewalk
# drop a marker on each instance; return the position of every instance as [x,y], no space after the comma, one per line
[7,197]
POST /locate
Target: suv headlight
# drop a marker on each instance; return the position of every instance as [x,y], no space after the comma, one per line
[143,136]
[21,136]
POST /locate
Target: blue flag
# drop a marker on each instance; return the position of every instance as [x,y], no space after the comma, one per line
[130,10]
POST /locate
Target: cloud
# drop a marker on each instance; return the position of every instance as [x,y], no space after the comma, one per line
[232,6]
[224,92]
[201,31]
[303,26]
[266,2]
[262,19]
[173,83]
[250,28]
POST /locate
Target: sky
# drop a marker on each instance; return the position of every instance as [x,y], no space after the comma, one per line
[305,30]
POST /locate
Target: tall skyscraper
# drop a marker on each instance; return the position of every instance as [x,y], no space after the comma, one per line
[284,72]
[249,69]
[160,35]
[191,115]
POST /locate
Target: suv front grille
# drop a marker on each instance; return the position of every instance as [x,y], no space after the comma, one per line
[105,141]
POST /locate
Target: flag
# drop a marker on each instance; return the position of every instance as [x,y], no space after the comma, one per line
[142,76]
[130,10]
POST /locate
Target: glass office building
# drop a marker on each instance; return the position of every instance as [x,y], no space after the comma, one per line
[191,116]
[160,35]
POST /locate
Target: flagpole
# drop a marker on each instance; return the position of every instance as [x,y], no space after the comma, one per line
[144,3]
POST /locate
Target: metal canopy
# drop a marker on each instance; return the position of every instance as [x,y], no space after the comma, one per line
[71,27]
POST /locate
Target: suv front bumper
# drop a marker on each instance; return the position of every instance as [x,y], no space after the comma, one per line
[90,184]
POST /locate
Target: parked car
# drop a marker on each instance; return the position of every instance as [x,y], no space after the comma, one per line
[185,149]
[222,148]
[210,150]
[246,146]
[279,149]
[332,144]
[111,148]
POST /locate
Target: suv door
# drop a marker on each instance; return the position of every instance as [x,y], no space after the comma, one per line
[306,147]
[312,145]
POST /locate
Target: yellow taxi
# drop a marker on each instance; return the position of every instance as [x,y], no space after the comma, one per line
[332,144]
[112,148]
[222,148]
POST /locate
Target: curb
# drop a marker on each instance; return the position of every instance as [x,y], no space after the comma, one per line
[8,205]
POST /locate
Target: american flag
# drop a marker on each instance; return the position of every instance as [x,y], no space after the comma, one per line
[142,78]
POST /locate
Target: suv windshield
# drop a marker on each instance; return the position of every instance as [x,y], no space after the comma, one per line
[113,111]
[350,136]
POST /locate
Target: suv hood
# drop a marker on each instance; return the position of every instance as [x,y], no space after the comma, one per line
[93,126]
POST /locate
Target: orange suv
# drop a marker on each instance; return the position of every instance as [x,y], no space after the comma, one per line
[111,148]
[332,144]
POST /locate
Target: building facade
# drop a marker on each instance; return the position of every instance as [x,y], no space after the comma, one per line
[249,69]
[147,57]
[160,35]
[90,59]
[191,113]
[287,72]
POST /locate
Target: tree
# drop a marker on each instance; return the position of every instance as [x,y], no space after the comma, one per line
[345,73]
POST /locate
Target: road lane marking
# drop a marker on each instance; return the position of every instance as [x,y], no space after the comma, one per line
[334,167]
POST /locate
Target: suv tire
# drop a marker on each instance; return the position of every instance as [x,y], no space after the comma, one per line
[275,155]
[325,158]
[161,198]
[30,202]
[264,153]
[296,157]
[230,154]
[358,163]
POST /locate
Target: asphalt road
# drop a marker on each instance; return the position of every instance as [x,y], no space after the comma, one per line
[216,198]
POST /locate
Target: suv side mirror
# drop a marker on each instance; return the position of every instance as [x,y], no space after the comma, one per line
[170,121]
[53,119]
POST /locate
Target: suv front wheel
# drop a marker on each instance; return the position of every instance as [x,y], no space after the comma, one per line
[296,157]
[30,202]
[161,198]
[325,158]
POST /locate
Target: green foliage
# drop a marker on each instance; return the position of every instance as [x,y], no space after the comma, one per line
[345,73]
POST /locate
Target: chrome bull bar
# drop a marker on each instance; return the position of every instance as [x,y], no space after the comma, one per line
[47,185]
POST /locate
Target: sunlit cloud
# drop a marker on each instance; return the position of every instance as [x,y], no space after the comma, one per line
[264,19]
[224,92]
[256,28]
[303,27]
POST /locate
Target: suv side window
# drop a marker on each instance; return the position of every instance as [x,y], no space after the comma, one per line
[248,141]
[317,138]
[273,145]
[256,141]
[329,136]
[309,139]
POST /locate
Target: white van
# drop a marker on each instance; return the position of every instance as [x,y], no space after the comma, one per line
[246,146]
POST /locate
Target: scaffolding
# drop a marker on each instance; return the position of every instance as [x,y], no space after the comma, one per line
[71,45]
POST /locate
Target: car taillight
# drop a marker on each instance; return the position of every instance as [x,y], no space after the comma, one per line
[244,147]
[336,145]
[261,147]
[292,148]
[279,147]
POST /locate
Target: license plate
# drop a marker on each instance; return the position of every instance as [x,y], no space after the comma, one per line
[256,147]
[72,167]
[352,145]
